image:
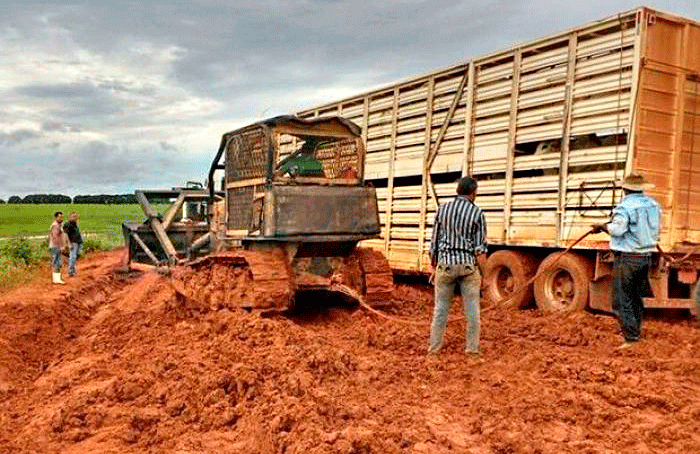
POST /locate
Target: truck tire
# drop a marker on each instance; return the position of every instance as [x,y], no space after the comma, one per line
[562,282]
[695,310]
[505,276]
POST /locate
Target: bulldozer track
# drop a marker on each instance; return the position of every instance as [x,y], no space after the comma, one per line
[244,279]
[264,280]
[378,276]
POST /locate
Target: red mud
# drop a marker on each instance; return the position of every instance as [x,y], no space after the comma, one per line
[115,363]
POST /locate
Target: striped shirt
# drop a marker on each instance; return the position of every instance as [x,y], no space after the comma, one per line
[459,233]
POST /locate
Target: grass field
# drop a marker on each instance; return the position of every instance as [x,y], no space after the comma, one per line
[24,232]
[100,220]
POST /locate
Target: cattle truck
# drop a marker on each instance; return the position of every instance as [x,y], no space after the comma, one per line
[549,129]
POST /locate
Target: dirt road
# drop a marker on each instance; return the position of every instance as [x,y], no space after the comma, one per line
[116,363]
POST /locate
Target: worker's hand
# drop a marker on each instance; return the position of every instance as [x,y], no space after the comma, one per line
[431,279]
[597,228]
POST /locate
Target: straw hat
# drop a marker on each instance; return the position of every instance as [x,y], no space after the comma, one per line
[635,182]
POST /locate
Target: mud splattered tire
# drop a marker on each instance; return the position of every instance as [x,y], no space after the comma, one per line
[562,284]
[505,276]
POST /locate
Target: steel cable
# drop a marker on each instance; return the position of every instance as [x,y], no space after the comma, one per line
[499,303]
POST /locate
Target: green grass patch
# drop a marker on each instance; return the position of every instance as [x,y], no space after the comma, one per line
[13,276]
[102,220]
[24,229]
[20,260]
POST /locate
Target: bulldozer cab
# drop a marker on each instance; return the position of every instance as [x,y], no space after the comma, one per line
[291,179]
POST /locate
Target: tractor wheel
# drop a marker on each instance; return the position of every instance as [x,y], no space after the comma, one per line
[562,282]
[506,276]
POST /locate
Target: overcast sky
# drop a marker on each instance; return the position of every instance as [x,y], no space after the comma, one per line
[106,97]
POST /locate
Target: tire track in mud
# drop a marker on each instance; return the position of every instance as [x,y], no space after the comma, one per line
[40,319]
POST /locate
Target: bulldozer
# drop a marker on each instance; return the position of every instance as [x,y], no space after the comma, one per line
[282,213]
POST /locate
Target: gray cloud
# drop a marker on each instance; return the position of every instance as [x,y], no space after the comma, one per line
[167,147]
[58,91]
[96,167]
[53,126]
[75,99]
[17,137]
[117,86]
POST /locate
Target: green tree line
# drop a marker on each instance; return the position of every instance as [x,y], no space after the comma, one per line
[106,199]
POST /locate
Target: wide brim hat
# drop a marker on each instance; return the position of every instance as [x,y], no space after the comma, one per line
[635,182]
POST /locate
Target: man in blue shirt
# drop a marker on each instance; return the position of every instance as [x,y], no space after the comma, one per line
[634,232]
[458,255]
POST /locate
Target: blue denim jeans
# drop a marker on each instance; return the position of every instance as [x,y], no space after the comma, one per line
[73,257]
[630,273]
[469,281]
[56,259]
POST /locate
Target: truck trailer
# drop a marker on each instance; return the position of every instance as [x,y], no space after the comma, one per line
[549,129]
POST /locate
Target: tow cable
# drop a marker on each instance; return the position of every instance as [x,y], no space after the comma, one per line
[671,260]
[666,256]
[492,305]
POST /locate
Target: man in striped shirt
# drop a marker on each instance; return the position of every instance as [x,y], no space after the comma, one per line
[458,255]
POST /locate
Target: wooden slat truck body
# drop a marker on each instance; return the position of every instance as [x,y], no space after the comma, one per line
[549,128]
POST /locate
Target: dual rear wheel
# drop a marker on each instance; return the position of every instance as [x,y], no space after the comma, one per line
[561,282]
[507,276]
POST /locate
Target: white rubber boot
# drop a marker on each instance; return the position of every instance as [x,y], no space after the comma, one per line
[57,278]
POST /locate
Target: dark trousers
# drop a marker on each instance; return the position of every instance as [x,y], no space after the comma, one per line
[629,281]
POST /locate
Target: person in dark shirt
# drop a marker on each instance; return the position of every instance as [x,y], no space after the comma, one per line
[76,240]
[458,255]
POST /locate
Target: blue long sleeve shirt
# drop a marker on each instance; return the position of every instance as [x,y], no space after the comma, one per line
[635,224]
